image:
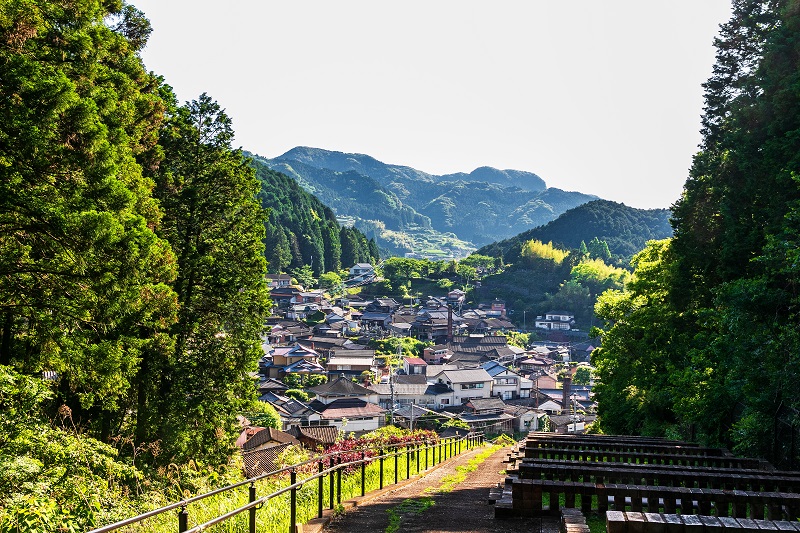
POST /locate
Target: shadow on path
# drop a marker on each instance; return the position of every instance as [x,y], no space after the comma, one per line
[465,509]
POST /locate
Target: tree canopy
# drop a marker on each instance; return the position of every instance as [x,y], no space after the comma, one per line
[704,342]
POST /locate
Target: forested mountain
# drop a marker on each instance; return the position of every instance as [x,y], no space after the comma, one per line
[352,193]
[708,332]
[625,230]
[480,207]
[527,181]
[301,230]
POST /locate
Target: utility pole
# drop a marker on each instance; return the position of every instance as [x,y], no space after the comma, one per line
[391,383]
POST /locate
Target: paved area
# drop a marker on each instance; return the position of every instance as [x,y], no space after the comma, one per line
[420,505]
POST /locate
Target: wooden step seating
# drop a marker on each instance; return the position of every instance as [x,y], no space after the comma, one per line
[633,522]
[657,474]
[650,475]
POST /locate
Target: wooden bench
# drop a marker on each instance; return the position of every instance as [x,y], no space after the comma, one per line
[527,497]
[633,522]
[662,457]
[636,474]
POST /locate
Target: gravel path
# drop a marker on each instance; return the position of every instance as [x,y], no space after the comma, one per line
[466,508]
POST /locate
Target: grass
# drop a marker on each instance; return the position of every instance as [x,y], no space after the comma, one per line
[410,506]
[274,515]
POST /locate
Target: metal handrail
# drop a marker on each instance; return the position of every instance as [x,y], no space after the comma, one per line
[293,468]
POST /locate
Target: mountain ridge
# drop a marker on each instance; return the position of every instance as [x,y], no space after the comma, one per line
[502,204]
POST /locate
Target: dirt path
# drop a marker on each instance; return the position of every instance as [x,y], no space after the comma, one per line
[421,505]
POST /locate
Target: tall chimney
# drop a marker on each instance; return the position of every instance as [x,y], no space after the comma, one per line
[567,392]
[449,322]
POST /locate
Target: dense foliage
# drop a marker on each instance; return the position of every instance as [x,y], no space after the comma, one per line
[547,278]
[705,343]
[132,266]
[301,230]
[624,229]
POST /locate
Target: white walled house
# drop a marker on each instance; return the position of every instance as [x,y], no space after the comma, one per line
[466,384]
[556,320]
[506,384]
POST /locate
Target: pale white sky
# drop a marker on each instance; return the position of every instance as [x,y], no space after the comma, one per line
[601,97]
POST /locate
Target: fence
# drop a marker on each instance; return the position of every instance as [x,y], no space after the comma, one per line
[333,466]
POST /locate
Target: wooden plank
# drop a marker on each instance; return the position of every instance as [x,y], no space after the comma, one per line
[636,522]
[655,523]
[711,524]
[673,522]
[615,522]
[692,523]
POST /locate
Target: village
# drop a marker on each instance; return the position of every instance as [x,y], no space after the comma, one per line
[325,381]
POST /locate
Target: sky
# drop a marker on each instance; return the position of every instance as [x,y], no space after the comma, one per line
[602,97]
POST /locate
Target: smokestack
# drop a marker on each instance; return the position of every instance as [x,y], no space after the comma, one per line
[449,322]
[567,392]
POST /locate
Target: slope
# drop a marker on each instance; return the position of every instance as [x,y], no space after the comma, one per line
[625,229]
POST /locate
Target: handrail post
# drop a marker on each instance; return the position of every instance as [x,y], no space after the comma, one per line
[331,491]
[320,489]
[396,467]
[293,503]
[339,482]
[363,472]
[416,449]
[380,477]
[426,455]
[252,498]
[408,463]
[183,520]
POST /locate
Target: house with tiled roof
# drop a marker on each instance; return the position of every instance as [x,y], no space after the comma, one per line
[267,438]
[350,414]
[422,393]
[342,387]
[487,415]
[414,365]
[466,384]
[476,343]
[288,331]
[278,280]
[271,385]
[315,437]
[506,383]
[436,354]
[351,363]
[292,412]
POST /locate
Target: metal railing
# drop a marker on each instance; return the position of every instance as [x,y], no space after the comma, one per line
[444,448]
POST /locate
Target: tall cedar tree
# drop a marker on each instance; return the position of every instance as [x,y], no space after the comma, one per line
[215,224]
[84,281]
[730,355]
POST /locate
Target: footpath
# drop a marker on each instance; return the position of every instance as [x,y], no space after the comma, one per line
[445,499]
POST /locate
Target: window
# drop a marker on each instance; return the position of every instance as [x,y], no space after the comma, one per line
[506,381]
[465,386]
[445,401]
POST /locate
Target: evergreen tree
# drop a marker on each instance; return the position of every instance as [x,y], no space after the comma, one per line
[84,286]
[215,225]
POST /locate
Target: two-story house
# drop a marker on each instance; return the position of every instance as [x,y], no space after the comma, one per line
[348,406]
[556,320]
[488,415]
[412,390]
[507,384]
[284,360]
[466,384]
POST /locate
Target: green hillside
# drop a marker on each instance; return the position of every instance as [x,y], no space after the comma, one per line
[301,230]
[483,206]
[625,229]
